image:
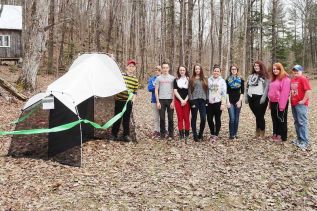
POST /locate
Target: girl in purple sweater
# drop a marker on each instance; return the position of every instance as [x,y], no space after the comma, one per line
[279,90]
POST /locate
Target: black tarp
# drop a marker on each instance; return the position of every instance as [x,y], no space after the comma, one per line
[65,146]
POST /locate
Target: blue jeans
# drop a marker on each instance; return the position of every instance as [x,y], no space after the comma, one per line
[234,114]
[300,115]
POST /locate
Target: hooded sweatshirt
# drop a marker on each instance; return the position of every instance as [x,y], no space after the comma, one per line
[279,91]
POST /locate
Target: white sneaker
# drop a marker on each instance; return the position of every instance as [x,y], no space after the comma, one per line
[295,142]
[302,146]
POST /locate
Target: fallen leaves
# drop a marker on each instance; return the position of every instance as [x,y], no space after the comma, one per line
[154,174]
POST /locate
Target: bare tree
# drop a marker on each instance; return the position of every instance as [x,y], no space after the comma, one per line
[189,38]
[97,26]
[142,32]
[50,46]
[274,31]
[35,38]
[182,25]
[220,47]
[212,21]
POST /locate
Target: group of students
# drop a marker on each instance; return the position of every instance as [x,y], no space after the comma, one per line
[210,96]
[192,94]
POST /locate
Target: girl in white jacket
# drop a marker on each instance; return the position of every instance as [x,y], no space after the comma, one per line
[217,92]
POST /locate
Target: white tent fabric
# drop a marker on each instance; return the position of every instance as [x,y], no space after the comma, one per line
[11,17]
[89,75]
[34,100]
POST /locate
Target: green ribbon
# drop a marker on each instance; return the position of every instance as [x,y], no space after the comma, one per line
[22,118]
[68,126]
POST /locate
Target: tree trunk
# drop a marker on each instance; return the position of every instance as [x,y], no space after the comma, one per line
[188,55]
[132,51]
[163,31]
[182,23]
[142,33]
[201,28]
[50,46]
[274,33]
[170,42]
[231,59]
[220,47]
[35,40]
[212,21]
[246,41]
[261,30]
[97,26]
[229,37]
[63,31]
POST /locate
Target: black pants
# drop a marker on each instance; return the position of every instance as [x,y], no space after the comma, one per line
[165,105]
[198,105]
[258,110]
[279,120]
[214,111]
[126,118]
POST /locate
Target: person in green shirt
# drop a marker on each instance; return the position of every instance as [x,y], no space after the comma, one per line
[132,84]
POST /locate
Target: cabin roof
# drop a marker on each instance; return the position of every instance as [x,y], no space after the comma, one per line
[11,17]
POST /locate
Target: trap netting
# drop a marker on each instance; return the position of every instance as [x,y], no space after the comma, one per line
[64,146]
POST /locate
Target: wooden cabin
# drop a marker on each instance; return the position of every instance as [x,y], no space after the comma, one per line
[11,33]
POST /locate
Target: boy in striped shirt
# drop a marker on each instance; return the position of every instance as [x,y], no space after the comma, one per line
[132,84]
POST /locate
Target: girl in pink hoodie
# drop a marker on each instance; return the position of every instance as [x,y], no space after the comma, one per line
[279,90]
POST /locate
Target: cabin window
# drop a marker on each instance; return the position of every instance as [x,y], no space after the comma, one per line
[4,40]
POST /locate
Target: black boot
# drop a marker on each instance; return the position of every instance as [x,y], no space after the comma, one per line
[195,136]
[162,135]
[171,135]
[181,134]
[186,134]
[200,136]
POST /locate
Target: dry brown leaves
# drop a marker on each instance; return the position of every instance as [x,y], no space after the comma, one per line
[153,174]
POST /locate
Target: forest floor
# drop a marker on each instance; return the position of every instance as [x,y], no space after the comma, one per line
[152,174]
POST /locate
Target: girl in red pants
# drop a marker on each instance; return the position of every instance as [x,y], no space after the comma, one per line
[181,101]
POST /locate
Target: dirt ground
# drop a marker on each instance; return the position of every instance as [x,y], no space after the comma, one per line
[152,174]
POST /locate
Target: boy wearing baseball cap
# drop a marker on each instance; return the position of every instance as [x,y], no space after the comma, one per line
[132,84]
[300,91]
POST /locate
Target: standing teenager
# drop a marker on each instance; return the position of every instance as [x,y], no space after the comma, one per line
[164,93]
[198,91]
[151,88]
[217,95]
[182,106]
[300,93]
[235,92]
[257,88]
[132,84]
[279,90]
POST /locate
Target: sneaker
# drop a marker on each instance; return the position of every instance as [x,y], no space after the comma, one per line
[236,137]
[295,142]
[277,139]
[155,134]
[273,137]
[231,138]
[213,138]
[302,146]
[127,139]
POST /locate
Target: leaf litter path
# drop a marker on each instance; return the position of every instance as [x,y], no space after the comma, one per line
[153,174]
